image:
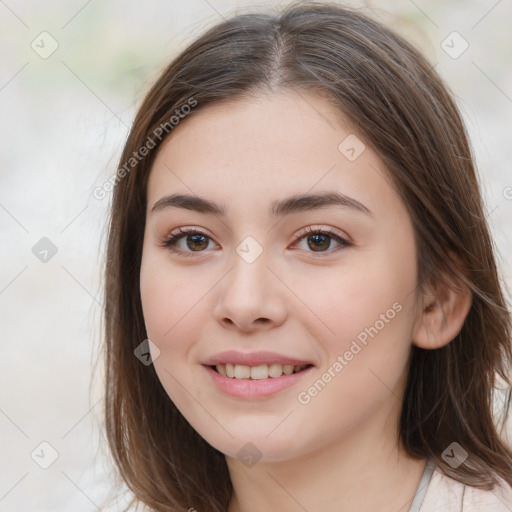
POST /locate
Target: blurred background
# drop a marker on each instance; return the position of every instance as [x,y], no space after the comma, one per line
[72,75]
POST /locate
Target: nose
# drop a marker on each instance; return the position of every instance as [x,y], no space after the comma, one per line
[251,297]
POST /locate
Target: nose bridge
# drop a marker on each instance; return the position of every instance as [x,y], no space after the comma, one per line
[249,273]
[249,291]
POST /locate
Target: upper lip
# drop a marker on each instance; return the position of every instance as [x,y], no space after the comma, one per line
[253,358]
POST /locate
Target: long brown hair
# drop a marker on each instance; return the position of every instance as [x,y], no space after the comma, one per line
[407,115]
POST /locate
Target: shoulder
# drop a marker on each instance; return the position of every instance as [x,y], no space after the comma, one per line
[447,494]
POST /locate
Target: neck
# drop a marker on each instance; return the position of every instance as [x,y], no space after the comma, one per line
[366,470]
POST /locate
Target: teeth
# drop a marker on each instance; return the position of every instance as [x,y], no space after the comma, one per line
[288,369]
[275,370]
[242,371]
[259,372]
[262,371]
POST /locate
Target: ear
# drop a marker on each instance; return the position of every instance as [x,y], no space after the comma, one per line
[444,308]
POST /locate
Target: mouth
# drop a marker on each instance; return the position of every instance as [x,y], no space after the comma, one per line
[258,372]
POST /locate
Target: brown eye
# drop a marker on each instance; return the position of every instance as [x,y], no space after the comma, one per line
[319,241]
[196,242]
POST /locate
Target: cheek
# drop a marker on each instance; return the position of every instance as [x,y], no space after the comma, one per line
[365,360]
[172,305]
[171,299]
[355,298]
[366,308]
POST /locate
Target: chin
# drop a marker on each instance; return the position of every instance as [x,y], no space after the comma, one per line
[255,446]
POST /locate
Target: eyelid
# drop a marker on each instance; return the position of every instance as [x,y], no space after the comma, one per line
[315,228]
[343,240]
[177,235]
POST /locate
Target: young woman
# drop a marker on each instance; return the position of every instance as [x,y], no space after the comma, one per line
[303,310]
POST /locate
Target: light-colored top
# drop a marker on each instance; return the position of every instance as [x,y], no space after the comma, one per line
[438,492]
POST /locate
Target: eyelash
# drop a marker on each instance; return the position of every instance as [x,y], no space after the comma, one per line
[173,238]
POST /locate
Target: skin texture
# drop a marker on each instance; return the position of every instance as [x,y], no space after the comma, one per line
[339,451]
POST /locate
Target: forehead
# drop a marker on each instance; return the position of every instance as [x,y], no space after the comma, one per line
[267,146]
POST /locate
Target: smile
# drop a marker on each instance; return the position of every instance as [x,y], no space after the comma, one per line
[255,382]
[258,372]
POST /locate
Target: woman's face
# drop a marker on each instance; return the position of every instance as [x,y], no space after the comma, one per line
[310,268]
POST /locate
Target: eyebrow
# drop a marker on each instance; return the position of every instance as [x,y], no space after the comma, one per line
[278,208]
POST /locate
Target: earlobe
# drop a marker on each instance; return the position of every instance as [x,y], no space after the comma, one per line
[443,315]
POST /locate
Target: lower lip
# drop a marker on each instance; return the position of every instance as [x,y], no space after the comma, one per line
[257,388]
